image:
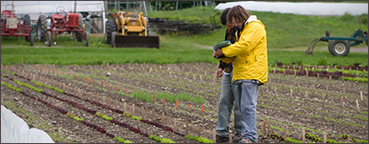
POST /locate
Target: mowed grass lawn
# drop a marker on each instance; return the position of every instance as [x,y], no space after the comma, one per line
[284,31]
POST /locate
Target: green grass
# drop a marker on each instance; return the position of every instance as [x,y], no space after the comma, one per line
[284,31]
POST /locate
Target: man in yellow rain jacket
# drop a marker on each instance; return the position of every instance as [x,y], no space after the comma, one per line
[249,54]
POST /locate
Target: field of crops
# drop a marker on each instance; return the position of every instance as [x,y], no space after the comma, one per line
[149,103]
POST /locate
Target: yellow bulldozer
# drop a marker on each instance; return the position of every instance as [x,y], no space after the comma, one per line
[127,29]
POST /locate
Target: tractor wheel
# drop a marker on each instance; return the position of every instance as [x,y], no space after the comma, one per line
[339,47]
[111,27]
[113,39]
[27,22]
[86,38]
[31,39]
[41,28]
[48,39]
[329,45]
[79,34]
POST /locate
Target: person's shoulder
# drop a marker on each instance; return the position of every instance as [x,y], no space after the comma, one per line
[256,24]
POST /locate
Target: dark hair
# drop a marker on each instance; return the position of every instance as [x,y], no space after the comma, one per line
[223,16]
[238,13]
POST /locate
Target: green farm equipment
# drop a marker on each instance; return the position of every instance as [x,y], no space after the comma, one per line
[340,46]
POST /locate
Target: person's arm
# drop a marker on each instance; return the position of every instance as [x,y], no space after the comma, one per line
[247,41]
[222,64]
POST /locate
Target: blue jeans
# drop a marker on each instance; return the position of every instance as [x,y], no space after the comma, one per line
[248,95]
[228,99]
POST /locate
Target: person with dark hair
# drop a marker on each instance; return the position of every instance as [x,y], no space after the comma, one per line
[250,65]
[229,93]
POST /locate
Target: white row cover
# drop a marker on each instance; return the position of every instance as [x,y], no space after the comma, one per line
[28,7]
[15,130]
[301,8]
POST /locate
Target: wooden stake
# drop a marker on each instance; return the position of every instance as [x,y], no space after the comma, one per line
[143,112]
[177,105]
[275,90]
[186,128]
[230,138]
[125,106]
[153,98]
[361,95]
[163,102]
[214,136]
[325,137]
[162,118]
[175,125]
[357,105]
[307,73]
[291,94]
[202,110]
[342,100]
[303,135]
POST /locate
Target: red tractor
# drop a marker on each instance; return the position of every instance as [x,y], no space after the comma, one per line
[12,26]
[59,23]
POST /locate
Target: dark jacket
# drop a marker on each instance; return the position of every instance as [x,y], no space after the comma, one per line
[230,35]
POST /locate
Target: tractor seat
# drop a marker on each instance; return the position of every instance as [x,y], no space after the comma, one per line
[58,16]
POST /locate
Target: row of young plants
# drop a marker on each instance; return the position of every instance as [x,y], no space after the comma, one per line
[311,93]
[201,139]
[94,112]
[310,129]
[355,66]
[336,75]
[322,90]
[148,97]
[361,118]
[168,97]
[101,130]
[181,83]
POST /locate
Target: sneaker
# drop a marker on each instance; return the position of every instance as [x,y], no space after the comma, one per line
[221,139]
[245,141]
[237,137]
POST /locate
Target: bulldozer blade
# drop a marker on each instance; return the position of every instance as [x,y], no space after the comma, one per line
[124,41]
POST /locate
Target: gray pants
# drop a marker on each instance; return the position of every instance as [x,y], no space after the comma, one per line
[248,95]
[228,98]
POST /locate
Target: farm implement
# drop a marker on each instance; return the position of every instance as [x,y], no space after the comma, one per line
[340,46]
[129,29]
[12,26]
[60,23]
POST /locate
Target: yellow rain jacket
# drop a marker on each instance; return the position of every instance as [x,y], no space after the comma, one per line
[249,53]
